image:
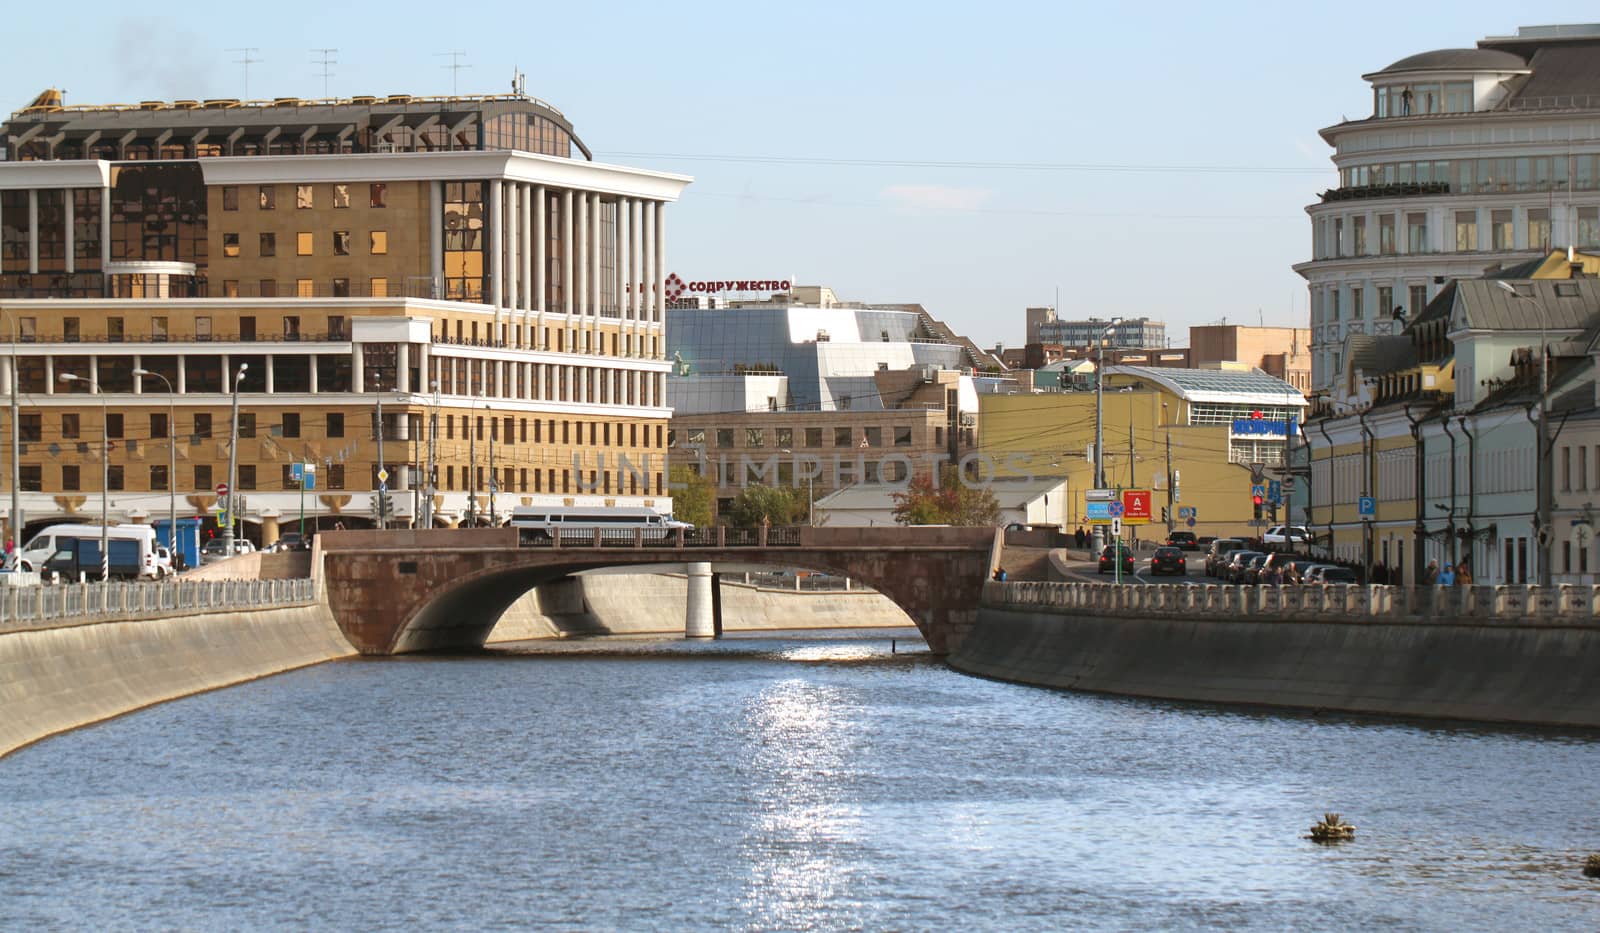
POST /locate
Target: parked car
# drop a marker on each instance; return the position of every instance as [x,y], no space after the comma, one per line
[1183,540]
[291,541]
[1238,560]
[1169,560]
[1310,573]
[216,549]
[1332,575]
[1250,575]
[1108,560]
[1285,536]
[164,566]
[1205,541]
[1217,557]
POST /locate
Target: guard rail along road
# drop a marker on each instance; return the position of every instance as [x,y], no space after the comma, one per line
[1566,604]
[29,607]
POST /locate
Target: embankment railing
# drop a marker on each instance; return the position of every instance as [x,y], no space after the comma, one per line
[1565,603]
[28,606]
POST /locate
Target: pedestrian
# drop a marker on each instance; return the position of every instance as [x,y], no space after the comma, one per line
[1447,576]
[1430,576]
[1078,537]
[11,554]
[1000,575]
[1463,574]
[1291,574]
[338,526]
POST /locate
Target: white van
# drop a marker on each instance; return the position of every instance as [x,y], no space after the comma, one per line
[47,542]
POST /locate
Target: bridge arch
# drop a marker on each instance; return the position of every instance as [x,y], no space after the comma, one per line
[395,592]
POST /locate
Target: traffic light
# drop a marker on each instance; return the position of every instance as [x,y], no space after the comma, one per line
[1256,500]
[1164,514]
[1258,511]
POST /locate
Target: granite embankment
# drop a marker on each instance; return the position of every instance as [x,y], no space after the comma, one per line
[653,603]
[57,678]
[1493,654]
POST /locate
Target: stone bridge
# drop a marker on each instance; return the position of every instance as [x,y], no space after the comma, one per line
[402,591]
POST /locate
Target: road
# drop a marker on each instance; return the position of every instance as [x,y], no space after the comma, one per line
[1087,571]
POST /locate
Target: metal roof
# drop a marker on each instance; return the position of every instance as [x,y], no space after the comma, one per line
[1549,304]
[1248,387]
[1456,60]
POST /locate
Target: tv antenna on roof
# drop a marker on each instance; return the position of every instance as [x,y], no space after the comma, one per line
[455,67]
[246,61]
[326,60]
[519,82]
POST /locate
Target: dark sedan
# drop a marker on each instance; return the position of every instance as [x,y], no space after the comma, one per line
[1238,560]
[1108,563]
[1183,540]
[1251,574]
[1169,560]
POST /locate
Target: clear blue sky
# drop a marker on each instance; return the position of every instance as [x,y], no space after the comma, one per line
[1153,88]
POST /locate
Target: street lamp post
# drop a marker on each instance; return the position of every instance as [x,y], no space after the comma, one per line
[430,480]
[172,464]
[1099,420]
[233,460]
[472,468]
[493,485]
[105,472]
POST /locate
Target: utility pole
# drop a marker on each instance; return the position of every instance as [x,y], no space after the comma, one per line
[1169,478]
[432,480]
[383,517]
[472,465]
[233,461]
[493,485]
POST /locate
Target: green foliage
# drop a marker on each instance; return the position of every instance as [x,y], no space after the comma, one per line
[692,497]
[949,503]
[772,505]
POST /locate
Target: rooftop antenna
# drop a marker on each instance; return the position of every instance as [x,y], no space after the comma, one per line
[246,61]
[455,67]
[519,82]
[325,61]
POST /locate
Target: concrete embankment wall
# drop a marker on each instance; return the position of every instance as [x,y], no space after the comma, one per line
[638,604]
[56,679]
[1489,671]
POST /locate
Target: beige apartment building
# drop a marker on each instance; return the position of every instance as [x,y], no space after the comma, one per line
[1281,352]
[445,274]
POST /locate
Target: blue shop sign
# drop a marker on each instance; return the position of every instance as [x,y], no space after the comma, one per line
[1260,428]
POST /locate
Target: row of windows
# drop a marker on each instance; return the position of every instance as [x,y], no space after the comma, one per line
[783,438]
[1575,469]
[1496,229]
[1483,176]
[305,196]
[159,330]
[305,244]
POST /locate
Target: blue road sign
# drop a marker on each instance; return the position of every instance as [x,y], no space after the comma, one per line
[1115,510]
[1274,491]
[1190,523]
[1258,489]
[297,470]
[1187,511]
[383,487]
[1367,506]
[310,481]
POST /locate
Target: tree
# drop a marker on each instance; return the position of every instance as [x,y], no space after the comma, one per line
[950,502]
[772,505]
[692,496]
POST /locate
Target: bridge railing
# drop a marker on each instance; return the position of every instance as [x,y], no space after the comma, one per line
[28,606]
[1562,604]
[717,537]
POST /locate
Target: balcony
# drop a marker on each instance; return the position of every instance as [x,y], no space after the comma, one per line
[1404,190]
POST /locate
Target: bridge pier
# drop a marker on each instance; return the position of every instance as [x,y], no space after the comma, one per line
[700,617]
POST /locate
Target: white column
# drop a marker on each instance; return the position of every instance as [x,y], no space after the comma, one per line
[583,253]
[435,238]
[402,367]
[636,262]
[658,302]
[496,248]
[50,375]
[33,231]
[566,254]
[513,227]
[313,372]
[541,262]
[71,234]
[357,377]
[183,380]
[267,364]
[594,271]
[699,621]
[649,272]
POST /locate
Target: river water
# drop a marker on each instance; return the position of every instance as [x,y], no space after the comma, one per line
[778,782]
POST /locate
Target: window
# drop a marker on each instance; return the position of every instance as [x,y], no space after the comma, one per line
[305,243]
[158,425]
[158,478]
[1466,231]
[269,197]
[269,245]
[785,437]
[755,437]
[230,288]
[32,478]
[341,242]
[1583,469]
[303,197]
[202,477]
[380,242]
[114,477]
[70,426]
[1386,244]
[291,328]
[247,476]
[291,424]
[341,195]
[336,476]
[247,424]
[1500,231]
[1358,230]
[1386,305]
[304,288]
[873,437]
[1357,306]
[114,424]
[1417,232]
[202,328]
[378,287]
[341,288]
[230,197]
[71,331]
[724,437]
[335,424]
[378,194]
[1418,299]
[202,425]
[286,477]
[335,327]
[1566,469]
[30,428]
[842,437]
[1538,228]
[267,288]
[813,437]
[902,437]
[69,478]
[1588,226]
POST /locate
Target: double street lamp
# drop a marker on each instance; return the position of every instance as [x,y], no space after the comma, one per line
[233,459]
[105,470]
[172,464]
[1099,417]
